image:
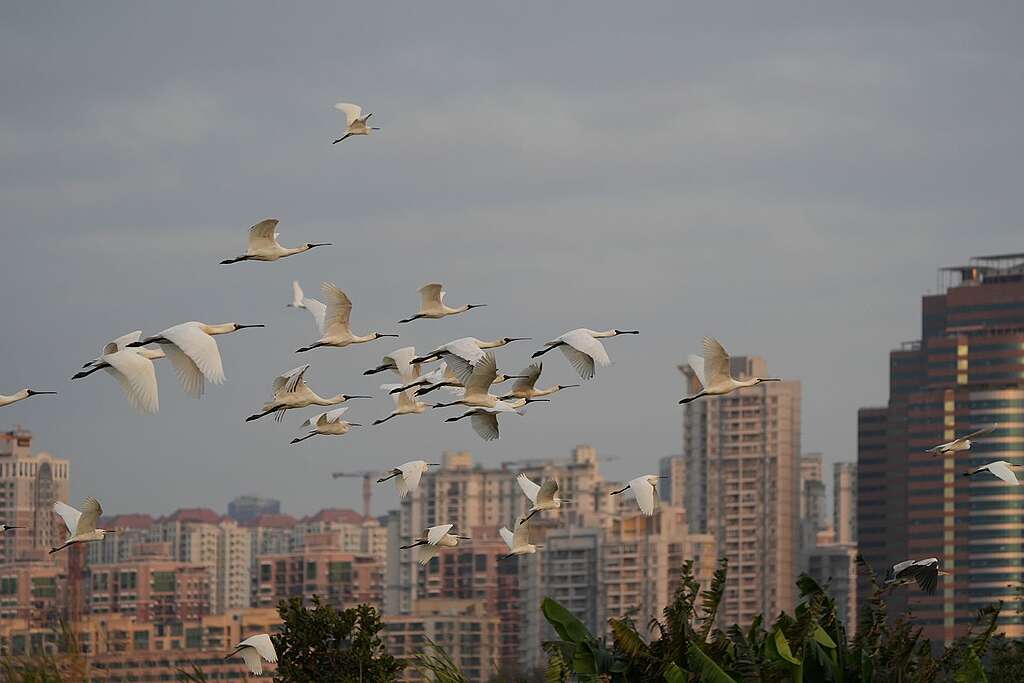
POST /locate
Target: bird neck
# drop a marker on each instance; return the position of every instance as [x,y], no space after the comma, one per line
[223,328]
[151,354]
[332,401]
[606,333]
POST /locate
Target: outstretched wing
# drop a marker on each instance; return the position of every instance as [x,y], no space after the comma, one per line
[436,533]
[334,416]
[297,294]
[263,645]
[531,373]
[318,310]
[115,345]
[263,235]
[135,373]
[522,535]
[339,308]
[69,514]
[547,491]
[401,357]
[585,343]
[697,365]
[427,553]
[430,296]
[981,432]
[529,488]
[508,537]
[188,372]
[290,381]
[582,362]
[351,111]
[644,493]
[716,362]
[200,347]
[410,477]
[482,376]
[485,425]
[1003,471]
[91,513]
[312,420]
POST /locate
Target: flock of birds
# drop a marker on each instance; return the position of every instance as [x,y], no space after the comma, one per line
[467,370]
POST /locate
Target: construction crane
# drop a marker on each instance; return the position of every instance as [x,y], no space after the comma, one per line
[368,478]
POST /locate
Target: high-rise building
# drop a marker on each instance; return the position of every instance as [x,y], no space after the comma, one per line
[835,567]
[844,502]
[247,508]
[29,485]
[964,373]
[672,489]
[812,504]
[742,454]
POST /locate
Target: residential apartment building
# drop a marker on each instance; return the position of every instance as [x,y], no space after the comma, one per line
[29,485]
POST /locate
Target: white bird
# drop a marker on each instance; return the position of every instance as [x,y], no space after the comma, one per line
[253,649]
[925,573]
[405,404]
[407,475]
[399,362]
[464,353]
[714,374]
[518,542]
[543,497]
[644,489]
[433,539]
[485,420]
[297,296]
[355,122]
[432,304]
[525,387]
[291,391]
[6,400]
[477,390]
[263,244]
[133,370]
[582,349]
[961,444]
[335,327]
[193,352]
[445,378]
[81,525]
[4,528]
[1000,468]
[327,424]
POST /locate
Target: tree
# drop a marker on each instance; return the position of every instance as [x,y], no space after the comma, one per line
[322,644]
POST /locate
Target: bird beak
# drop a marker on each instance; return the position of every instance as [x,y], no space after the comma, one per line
[567,386]
[475,305]
[242,327]
[320,244]
[435,464]
[627,331]
[354,424]
[512,339]
[347,397]
[386,335]
[38,393]
[464,538]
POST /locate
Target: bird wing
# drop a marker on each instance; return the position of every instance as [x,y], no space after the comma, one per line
[69,514]
[436,533]
[115,345]
[410,479]
[1002,470]
[900,566]
[467,349]
[485,425]
[135,373]
[460,368]
[430,296]
[263,235]
[396,397]
[339,308]
[91,513]
[297,294]
[482,376]
[263,645]
[290,381]
[927,577]
[252,660]
[188,372]
[508,537]
[334,416]
[584,342]
[200,347]
[644,493]
[312,420]
[427,553]
[981,432]
[521,536]
[716,362]
[583,363]
[318,310]
[401,357]
[351,111]
[529,488]
[547,491]
[531,375]
[697,365]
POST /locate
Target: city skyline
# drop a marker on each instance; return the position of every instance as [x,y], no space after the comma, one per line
[751,145]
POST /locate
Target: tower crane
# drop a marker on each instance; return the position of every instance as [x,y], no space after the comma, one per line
[368,478]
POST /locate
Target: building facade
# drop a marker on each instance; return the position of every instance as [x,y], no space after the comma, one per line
[29,485]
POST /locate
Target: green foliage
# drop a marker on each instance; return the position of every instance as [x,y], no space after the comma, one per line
[706,668]
[437,665]
[322,644]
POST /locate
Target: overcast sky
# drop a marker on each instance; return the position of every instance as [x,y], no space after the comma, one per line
[781,177]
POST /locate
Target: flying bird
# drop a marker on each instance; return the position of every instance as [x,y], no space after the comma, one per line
[713,372]
[543,497]
[133,370]
[407,475]
[582,349]
[518,542]
[254,649]
[1000,468]
[81,525]
[291,391]
[355,122]
[4,528]
[405,404]
[485,420]
[525,387]
[925,573]
[399,362]
[297,296]
[432,304]
[327,424]
[335,328]
[433,539]
[961,444]
[6,400]
[193,352]
[464,353]
[263,244]
[477,390]
[448,381]
[644,489]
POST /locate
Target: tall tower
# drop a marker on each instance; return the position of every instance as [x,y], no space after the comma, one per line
[963,374]
[742,455]
[29,485]
[844,512]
